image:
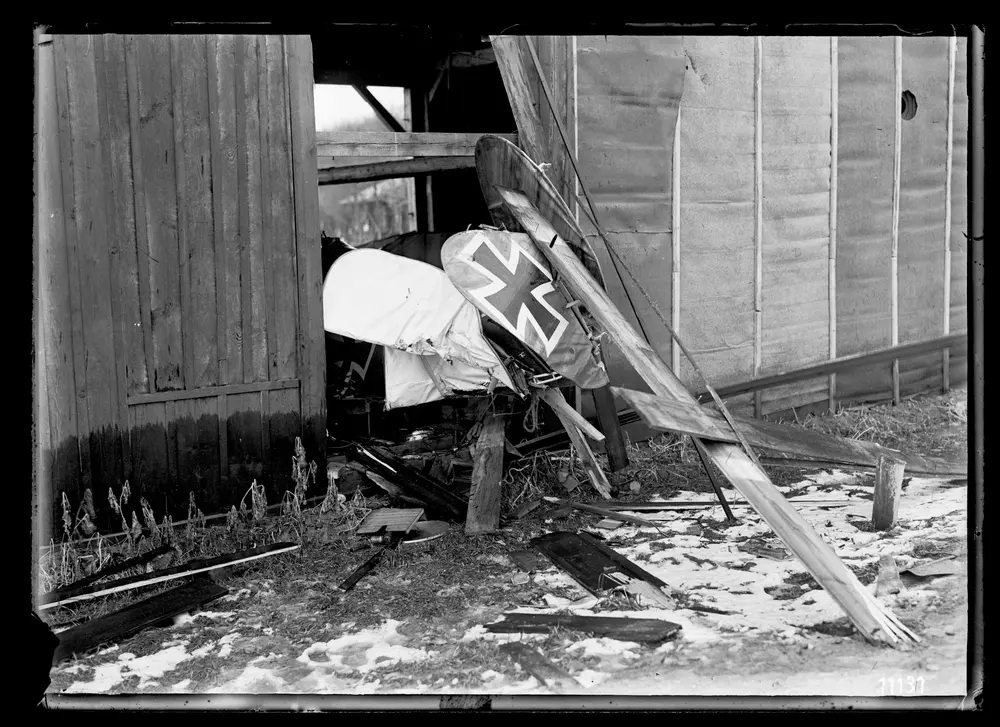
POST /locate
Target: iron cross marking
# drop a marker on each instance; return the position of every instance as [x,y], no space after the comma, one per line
[515,292]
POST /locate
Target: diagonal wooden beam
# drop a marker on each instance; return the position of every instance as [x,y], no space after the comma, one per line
[871,618]
[383,113]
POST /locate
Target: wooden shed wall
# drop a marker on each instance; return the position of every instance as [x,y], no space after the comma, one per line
[180,325]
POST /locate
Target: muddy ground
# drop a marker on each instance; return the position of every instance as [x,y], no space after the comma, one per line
[416,624]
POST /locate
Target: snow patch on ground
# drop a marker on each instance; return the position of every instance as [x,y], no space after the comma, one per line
[253,680]
[362,652]
[227,644]
[147,668]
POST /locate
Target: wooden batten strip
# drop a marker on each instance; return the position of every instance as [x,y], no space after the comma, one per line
[834,161]
[949,166]
[212,391]
[305,223]
[675,242]
[894,258]
[758,175]
[183,210]
[139,200]
[266,211]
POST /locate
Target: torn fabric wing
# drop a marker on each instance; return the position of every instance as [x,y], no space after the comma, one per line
[432,334]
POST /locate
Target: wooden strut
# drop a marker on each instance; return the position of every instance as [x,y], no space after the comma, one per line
[635,282]
[568,418]
[604,400]
[716,485]
[871,618]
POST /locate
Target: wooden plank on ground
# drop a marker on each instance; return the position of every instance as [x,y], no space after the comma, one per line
[484,498]
[652,630]
[397,144]
[311,349]
[666,414]
[534,663]
[118,626]
[393,169]
[607,513]
[111,570]
[394,519]
[190,568]
[589,562]
[870,617]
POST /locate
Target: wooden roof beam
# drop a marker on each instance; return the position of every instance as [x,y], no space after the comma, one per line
[394,169]
[398,144]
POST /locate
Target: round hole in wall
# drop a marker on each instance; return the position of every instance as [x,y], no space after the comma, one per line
[908,106]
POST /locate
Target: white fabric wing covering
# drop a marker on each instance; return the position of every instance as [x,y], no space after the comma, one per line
[434,345]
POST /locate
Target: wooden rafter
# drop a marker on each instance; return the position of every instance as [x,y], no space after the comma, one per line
[393,169]
[383,113]
[392,144]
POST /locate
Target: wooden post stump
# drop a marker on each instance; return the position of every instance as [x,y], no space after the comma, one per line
[484,499]
[888,490]
[607,414]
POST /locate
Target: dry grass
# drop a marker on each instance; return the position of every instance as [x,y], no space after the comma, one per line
[933,425]
[452,581]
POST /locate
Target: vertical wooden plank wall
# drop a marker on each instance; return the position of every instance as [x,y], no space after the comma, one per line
[180,328]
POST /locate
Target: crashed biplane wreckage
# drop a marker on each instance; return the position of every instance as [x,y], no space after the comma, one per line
[521,306]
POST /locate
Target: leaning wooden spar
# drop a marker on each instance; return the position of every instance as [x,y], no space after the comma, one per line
[871,618]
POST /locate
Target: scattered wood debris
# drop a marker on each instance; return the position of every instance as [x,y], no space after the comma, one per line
[597,567]
[888,577]
[437,499]
[934,568]
[605,512]
[528,560]
[125,565]
[652,630]
[535,664]
[64,596]
[129,621]
[394,520]
[526,508]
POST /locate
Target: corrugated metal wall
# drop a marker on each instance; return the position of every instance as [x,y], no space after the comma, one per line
[181,327]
